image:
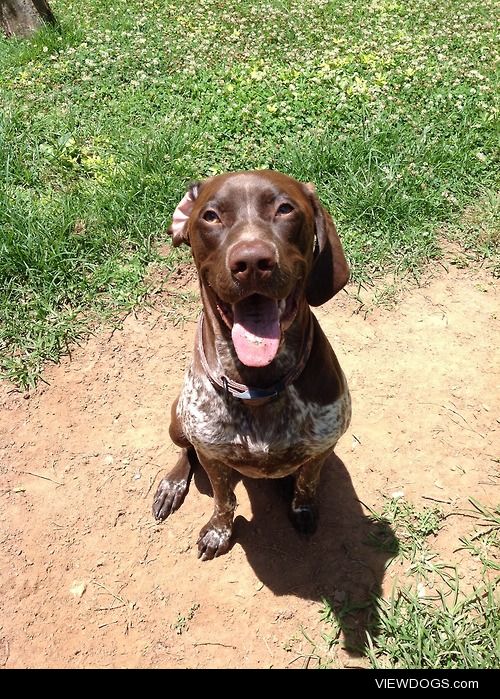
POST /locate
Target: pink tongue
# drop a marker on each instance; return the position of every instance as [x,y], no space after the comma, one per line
[256,330]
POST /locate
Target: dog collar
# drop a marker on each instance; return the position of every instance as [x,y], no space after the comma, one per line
[252,394]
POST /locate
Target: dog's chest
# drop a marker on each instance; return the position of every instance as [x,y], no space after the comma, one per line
[272,440]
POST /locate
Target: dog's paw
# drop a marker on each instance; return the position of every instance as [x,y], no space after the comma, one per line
[304,519]
[214,540]
[169,497]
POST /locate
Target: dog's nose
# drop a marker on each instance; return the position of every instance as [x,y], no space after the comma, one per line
[252,259]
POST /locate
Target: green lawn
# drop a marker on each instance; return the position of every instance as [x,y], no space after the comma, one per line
[388,108]
[437,616]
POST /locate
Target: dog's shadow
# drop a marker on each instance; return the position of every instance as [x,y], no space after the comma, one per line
[342,564]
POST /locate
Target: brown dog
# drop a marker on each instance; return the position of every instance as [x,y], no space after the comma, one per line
[265,394]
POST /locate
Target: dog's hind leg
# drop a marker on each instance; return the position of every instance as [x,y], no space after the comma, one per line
[304,510]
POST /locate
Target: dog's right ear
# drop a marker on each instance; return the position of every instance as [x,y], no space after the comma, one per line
[178,228]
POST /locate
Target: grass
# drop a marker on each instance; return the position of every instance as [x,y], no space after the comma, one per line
[434,618]
[182,623]
[485,543]
[478,231]
[389,109]
[461,633]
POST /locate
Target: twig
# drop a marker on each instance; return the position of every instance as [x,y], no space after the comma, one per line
[456,413]
[267,646]
[101,486]
[471,429]
[152,482]
[428,497]
[120,599]
[461,514]
[303,657]
[478,535]
[39,475]
[101,626]
[7,652]
[440,405]
[208,643]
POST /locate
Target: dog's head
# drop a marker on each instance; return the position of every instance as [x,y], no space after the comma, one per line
[262,244]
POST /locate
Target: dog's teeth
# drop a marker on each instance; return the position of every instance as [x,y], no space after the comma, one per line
[282,305]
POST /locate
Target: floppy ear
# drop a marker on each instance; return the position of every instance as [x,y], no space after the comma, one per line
[330,271]
[178,227]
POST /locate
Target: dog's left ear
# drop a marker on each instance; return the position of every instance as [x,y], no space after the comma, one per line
[178,228]
[330,271]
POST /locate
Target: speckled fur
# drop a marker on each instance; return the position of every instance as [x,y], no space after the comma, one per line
[272,440]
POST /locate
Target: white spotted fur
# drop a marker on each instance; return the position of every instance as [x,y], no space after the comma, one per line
[287,430]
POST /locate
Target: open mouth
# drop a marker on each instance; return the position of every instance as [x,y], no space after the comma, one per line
[257,323]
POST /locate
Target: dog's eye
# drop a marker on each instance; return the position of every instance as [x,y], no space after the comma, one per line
[284,209]
[211,216]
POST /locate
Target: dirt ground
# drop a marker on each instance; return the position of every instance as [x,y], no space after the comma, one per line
[89,579]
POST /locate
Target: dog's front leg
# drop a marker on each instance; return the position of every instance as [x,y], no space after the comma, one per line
[174,486]
[215,536]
